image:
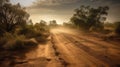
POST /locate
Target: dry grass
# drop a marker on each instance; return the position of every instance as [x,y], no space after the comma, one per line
[15,42]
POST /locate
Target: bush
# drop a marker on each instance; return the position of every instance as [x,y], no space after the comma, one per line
[117,28]
[21,45]
[2,42]
[106,31]
[15,42]
[30,32]
[14,45]
[40,39]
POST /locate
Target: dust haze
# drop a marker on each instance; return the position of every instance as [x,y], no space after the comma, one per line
[59,33]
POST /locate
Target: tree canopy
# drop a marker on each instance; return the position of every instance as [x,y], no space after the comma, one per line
[88,18]
[53,23]
[12,16]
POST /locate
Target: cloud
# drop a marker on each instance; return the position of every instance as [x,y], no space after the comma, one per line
[52,6]
[54,2]
[114,5]
[108,2]
[112,1]
[65,8]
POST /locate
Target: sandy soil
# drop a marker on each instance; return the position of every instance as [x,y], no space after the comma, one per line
[68,48]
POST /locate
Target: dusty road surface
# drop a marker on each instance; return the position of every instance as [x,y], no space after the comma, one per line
[68,48]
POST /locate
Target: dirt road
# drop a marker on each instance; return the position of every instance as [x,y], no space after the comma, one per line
[68,48]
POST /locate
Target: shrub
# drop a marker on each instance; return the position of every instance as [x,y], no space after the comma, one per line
[40,39]
[106,31]
[117,28]
[15,42]
[21,45]
[15,45]
[29,32]
[2,42]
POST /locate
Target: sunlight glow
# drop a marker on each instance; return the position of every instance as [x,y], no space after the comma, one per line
[47,18]
[23,2]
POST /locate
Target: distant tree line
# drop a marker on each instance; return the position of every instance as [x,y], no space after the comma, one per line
[88,18]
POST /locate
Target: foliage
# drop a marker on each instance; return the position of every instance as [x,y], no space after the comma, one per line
[108,24]
[41,26]
[89,18]
[117,28]
[16,30]
[53,23]
[2,2]
[39,31]
[16,42]
[12,16]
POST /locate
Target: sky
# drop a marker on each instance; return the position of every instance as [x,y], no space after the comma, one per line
[63,10]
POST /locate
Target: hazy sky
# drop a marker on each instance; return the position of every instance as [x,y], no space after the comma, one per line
[62,10]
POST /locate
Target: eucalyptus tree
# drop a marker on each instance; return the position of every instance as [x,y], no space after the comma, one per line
[90,18]
[12,16]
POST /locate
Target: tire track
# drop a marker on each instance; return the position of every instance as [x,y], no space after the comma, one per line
[69,55]
[90,51]
[98,43]
[80,55]
[57,53]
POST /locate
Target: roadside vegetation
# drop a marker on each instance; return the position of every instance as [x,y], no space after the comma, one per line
[17,31]
[53,24]
[93,20]
[15,25]
[19,35]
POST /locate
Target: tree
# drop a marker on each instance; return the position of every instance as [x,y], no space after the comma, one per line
[41,26]
[43,23]
[30,22]
[90,18]
[12,16]
[53,23]
[2,2]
